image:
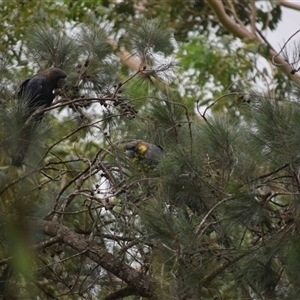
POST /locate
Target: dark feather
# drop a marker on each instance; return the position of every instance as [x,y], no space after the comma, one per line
[37,92]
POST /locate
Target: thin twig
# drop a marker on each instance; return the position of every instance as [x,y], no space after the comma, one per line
[209,106]
[209,213]
[282,48]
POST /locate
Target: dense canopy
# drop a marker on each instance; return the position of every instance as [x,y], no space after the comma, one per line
[166,167]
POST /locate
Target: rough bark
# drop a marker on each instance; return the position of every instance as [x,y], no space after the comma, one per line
[120,294]
[141,283]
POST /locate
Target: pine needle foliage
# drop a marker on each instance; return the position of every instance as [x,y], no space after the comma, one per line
[277,125]
[16,131]
[92,40]
[215,217]
[50,47]
[149,37]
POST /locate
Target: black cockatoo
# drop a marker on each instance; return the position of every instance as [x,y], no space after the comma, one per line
[35,92]
[38,91]
[143,151]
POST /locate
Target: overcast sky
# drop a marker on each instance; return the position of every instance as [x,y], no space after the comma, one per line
[289,24]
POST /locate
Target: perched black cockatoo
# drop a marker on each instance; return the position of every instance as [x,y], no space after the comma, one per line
[35,92]
[38,91]
[142,151]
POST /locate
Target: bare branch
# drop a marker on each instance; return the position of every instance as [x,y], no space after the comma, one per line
[229,23]
[128,291]
[215,272]
[209,213]
[232,9]
[143,284]
[292,5]
[243,33]
[293,63]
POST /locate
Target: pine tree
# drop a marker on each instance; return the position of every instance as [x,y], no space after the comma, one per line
[216,217]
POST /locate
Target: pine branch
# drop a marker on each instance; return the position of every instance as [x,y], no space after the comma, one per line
[204,219]
[128,291]
[141,283]
[211,276]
